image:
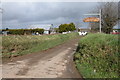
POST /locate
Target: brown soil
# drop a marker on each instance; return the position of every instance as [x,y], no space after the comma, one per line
[56,62]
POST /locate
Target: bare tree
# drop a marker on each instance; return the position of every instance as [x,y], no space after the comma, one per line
[109,15]
[94,26]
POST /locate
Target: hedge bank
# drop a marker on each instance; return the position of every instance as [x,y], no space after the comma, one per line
[97,56]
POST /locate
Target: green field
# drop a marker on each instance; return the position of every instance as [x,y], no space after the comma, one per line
[15,45]
[97,56]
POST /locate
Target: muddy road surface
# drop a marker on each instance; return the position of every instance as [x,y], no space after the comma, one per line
[56,62]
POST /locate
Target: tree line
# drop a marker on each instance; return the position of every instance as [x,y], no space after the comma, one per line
[23,31]
[60,29]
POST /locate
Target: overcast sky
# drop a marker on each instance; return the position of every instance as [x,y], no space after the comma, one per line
[24,14]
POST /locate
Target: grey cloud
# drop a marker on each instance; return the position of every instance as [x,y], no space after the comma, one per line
[45,12]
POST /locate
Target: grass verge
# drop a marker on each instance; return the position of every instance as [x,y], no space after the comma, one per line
[97,56]
[16,45]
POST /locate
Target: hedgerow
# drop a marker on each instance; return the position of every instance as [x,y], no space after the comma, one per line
[97,56]
[24,31]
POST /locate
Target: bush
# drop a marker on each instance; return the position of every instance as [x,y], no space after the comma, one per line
[97,56]
[16,31]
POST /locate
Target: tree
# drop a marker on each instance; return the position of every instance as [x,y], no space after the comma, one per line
[7,29]
[94,26]
[71,27]
[63,28]
[109,15]
[66,27]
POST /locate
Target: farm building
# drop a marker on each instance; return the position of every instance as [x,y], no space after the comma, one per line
[48,28]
